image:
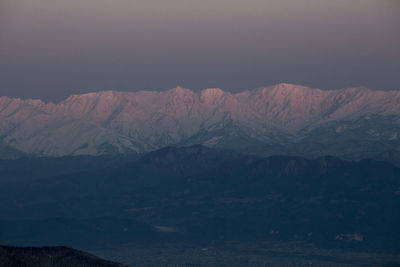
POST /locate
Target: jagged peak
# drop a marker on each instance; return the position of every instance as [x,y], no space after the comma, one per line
[288,89]
[6,98]
[101,96]
[214,92]
[181,90]
[92,94]
[35,102]
[289,85]
[293,87]
[32,102]
[209,92]
[74,97]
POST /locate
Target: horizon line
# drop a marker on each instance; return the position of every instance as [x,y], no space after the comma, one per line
[195,91]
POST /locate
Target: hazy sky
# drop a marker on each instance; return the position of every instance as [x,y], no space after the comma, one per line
[50,49]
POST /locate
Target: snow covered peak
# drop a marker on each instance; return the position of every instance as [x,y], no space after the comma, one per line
[100,122]
[289,85]
[213,95]
[212,92]
[180,90]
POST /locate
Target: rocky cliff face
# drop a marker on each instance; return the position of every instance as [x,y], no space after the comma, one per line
[282,119]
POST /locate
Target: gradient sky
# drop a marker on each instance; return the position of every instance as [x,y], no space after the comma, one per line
[50,49]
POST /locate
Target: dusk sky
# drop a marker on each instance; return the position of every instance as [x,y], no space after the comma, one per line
[50,49]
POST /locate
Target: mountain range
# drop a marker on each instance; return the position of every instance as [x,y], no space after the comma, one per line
[352,123]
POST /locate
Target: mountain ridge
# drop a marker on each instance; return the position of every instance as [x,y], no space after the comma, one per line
[180,89]
[114,122]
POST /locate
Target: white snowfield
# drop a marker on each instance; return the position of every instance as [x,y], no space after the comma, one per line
[121,122]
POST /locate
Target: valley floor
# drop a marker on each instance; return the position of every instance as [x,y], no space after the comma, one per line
[240,254]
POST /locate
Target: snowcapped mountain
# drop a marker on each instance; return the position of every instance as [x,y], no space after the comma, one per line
[282,119]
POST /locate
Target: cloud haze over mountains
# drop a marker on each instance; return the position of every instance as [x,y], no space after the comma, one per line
[288,119]
[67,47]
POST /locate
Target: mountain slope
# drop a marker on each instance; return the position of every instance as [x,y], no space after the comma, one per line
[278,119]
[50,257]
